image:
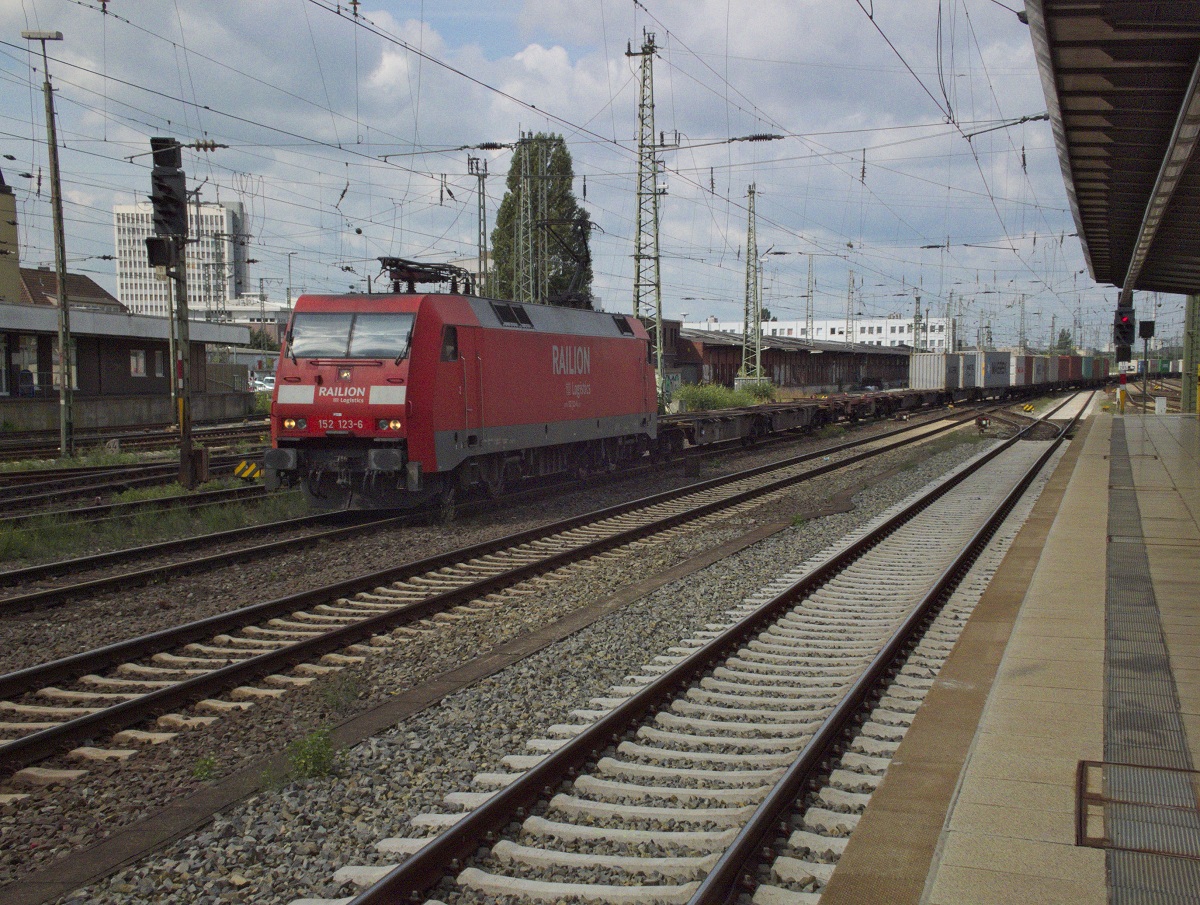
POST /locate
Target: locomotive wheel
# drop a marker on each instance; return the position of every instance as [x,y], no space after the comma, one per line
[447,504]
[325,494]
[495,488]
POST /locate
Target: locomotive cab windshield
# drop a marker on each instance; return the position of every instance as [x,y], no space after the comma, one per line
[350,335]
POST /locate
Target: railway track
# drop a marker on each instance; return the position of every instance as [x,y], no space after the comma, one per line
[79,699]
[1156,388]
[93,513]
[133,567]
[35,497]
[44,444]
[127,568]
[738,758]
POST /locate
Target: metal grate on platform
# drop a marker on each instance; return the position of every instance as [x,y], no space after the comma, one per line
[1128,807]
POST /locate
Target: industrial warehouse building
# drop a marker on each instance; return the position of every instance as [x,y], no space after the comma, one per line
[703,356]
[120,369]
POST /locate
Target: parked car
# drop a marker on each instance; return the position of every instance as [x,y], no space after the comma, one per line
[265,384]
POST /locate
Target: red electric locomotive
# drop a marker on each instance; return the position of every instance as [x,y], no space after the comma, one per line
[390,400]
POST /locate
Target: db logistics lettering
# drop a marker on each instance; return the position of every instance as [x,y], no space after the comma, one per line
[571,359]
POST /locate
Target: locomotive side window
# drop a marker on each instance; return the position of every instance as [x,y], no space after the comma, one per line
[362,335]
[622,325]
[511,315]
[450,344]
[505,314]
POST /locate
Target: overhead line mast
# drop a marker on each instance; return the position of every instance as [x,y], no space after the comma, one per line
[752,312]
[647,281]
[478,167]
[808,307]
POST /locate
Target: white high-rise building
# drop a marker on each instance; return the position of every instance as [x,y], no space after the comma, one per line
[216,263]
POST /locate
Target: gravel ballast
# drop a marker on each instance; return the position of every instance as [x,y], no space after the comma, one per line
[287,841]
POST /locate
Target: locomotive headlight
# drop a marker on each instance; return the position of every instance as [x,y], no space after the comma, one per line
[294,424]
[382,424]
[395,424]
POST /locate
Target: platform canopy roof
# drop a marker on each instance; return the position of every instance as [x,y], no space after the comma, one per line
[1120,79]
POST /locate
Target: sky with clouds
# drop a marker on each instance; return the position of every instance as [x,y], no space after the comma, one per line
[901,159]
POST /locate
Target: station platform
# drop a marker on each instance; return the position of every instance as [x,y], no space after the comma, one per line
[1052,760]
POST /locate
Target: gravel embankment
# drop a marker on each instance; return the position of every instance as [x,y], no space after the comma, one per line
[37,637]
[286,841]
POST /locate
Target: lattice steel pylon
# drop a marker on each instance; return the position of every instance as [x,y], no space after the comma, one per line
[524,276]
[851,320]
[752,312]
[478,167]
[541,237]
[808,307]
[647,282]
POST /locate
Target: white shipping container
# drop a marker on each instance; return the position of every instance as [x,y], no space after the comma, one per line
[969,370]
[1019,370]
[993,369]
[933,371]
[1040,368]
[1052,375]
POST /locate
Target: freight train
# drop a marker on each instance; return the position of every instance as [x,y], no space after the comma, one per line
[403,399]
[389,400]
[1158,367]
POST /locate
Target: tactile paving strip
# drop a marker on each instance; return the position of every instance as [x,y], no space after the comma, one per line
[1141,804]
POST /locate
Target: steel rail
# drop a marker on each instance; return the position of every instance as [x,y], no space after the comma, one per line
[79,664]
[9,479]
[48,597]
[34,503]
[53,596]
[39,745]
[449,850]
[728,878]
[187,501]
[113,557]
[27,447]
[51,478]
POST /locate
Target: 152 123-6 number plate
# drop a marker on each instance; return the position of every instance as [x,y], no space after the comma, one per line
[340,424]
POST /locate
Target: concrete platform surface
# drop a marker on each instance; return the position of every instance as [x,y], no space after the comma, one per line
[1086,647]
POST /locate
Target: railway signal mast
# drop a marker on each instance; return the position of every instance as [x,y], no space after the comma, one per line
[1146,332]
[1123,327]
[647,283]
[166,249]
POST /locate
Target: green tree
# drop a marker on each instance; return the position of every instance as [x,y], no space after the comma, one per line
[561,227]
[260,339]
[1065,345]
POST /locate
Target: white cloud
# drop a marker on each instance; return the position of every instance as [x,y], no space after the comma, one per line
[309,104]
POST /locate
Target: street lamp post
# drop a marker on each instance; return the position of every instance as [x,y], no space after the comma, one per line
[66,426]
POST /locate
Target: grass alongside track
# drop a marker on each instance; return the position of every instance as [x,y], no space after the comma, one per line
[100,457]
[51,538]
